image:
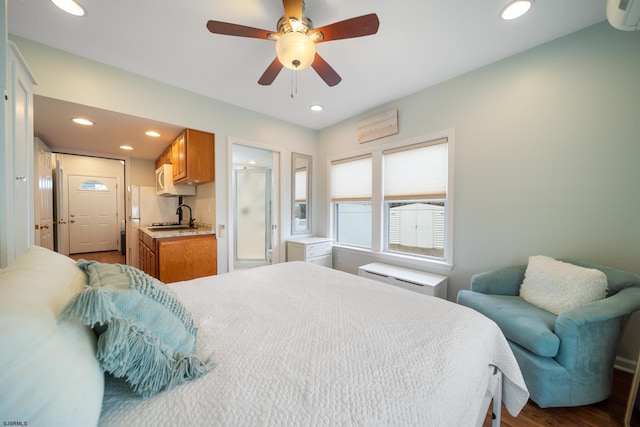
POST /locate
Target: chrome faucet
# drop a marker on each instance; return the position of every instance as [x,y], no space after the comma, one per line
[191,218]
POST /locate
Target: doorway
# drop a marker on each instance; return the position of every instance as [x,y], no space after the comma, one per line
[89,204]
[254,204]
[252,212]
[93,214]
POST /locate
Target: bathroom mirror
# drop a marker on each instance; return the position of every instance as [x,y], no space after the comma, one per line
[300,194]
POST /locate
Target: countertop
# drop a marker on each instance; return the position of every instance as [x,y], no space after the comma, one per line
[200,229]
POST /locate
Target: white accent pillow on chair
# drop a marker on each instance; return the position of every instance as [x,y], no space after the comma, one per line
[558,286]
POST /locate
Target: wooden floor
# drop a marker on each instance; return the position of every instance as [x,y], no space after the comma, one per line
[609,413]
[111,257]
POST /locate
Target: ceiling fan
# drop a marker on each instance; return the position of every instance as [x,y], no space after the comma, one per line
[296,39]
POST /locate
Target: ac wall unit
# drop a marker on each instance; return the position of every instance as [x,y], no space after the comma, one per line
[624,14]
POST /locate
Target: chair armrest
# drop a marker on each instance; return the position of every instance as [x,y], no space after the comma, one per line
[504,281]
[589,335]
[623,303]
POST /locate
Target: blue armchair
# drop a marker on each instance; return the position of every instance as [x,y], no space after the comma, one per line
[566,359]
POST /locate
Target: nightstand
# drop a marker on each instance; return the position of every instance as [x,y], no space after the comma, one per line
[316,250]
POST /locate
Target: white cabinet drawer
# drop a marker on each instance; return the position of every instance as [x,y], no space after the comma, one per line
[324,261]
[318,249]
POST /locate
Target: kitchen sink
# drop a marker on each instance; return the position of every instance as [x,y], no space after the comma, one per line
[168,227]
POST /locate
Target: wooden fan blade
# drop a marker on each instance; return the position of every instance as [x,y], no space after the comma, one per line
[228,29]
[292,9]
[271,73]
[364,25]
[325,71]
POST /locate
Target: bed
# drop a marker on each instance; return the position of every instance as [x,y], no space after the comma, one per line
[291,344]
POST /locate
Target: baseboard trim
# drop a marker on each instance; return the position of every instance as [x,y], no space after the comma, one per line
[625,365]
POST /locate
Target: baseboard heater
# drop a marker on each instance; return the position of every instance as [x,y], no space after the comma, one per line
[407,278]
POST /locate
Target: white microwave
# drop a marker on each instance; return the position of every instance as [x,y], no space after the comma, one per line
[166,187]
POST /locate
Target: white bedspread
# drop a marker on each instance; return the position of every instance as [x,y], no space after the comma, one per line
[297,344]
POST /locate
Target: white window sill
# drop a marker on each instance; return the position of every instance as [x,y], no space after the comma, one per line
[409,261]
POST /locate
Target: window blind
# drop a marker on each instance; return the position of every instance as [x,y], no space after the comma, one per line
[416,172]
[351,179]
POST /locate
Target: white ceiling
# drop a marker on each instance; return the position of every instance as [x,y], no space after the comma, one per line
[420,43]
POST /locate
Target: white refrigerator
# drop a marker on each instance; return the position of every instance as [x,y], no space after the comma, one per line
[146,208]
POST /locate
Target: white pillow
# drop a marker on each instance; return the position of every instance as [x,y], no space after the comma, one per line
[558,286]
[49,374]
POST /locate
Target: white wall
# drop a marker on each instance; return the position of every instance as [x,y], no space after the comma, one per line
[547,152]
[112,89]
[5,179]
[142,172]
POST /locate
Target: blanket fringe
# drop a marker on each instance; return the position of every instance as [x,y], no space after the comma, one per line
[126,350]
[91,306]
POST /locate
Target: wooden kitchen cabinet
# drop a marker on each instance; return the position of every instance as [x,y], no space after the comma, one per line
[165,157]
[184,258]
[173,259]
[192,157]
[147,254]
[179,157]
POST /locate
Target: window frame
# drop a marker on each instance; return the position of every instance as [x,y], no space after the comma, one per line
[379,236]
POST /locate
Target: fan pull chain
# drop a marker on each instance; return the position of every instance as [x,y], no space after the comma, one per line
[294,83]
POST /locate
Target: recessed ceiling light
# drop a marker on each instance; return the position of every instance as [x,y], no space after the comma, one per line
[82,121]
[316,107]
[515,9]
[252,162]
[126,147]
[152,133]
[69,6]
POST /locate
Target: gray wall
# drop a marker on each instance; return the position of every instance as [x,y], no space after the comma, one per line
[547,145]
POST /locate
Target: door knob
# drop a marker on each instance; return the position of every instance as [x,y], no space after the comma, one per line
[71,221]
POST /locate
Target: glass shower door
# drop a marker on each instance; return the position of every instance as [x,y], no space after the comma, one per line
[252,217]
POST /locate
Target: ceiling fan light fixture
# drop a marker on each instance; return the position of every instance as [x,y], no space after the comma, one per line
[82,121]
[515,9]
[295,50]
[69,6]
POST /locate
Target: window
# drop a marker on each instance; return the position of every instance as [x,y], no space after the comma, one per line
[351,183]
[93,185]
[415,196]
[396,200]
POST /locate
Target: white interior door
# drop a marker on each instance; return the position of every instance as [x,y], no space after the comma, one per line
[44,196]
[19,153]
[93,214]
[61,230]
